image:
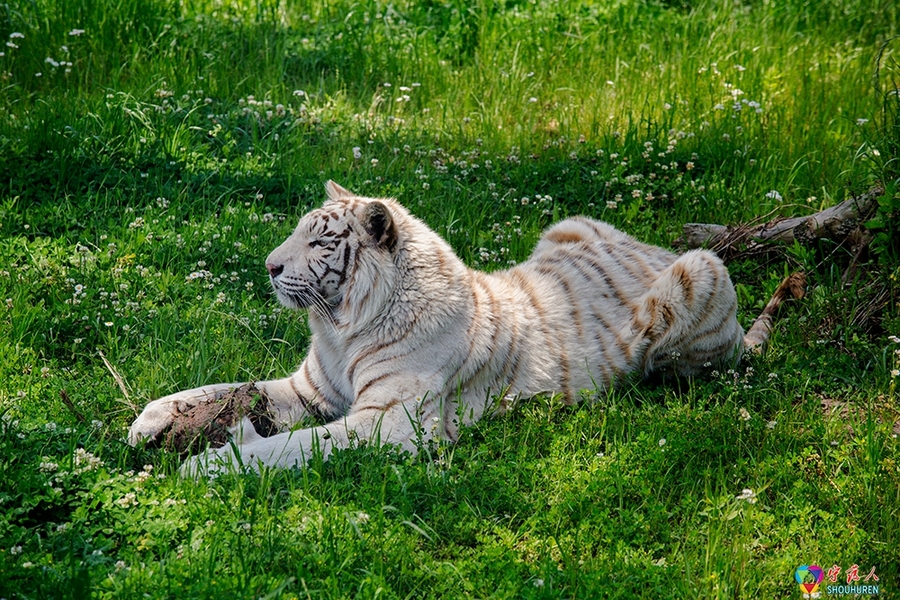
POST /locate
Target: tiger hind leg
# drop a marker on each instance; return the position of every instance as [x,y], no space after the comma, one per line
[686,322]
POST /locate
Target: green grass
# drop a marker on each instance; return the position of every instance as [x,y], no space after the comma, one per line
[142,185]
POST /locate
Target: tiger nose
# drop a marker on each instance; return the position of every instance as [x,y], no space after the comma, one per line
[274,270]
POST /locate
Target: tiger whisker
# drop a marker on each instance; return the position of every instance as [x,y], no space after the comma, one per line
[316,302]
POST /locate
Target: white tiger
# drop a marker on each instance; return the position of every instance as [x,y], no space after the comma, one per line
[409,344]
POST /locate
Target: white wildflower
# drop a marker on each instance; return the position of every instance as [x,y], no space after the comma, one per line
[747,495]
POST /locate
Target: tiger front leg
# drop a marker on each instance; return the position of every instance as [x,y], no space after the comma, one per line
[393,423]
[289,401]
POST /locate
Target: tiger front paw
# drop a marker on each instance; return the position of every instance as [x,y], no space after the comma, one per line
[153,420]
[217,461]
[159,415]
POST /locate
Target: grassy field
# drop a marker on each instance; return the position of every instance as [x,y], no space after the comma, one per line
[152,152]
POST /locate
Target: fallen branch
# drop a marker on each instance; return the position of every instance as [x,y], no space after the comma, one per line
[839,223]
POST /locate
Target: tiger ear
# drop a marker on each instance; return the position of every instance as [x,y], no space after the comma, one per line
[336,192]
[380,225]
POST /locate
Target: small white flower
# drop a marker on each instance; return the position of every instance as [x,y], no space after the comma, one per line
[662,442]
[16,35]
[745,416]
[129,499]
[774,195]
[532,100]
[861,122]
[76,32]
[747,495]
[299,93]
[771,424]
[357,152]
[15,550]
[538,583]
[895,372]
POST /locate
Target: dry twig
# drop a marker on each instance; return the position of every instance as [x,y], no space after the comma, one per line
[120,382]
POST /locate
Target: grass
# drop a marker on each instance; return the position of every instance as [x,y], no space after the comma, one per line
[166,147]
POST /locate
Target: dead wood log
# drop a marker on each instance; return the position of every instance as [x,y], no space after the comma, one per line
[840,223]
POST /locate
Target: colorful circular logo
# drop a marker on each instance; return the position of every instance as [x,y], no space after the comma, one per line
[809,577]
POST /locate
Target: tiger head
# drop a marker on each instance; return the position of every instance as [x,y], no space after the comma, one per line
[340,251]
